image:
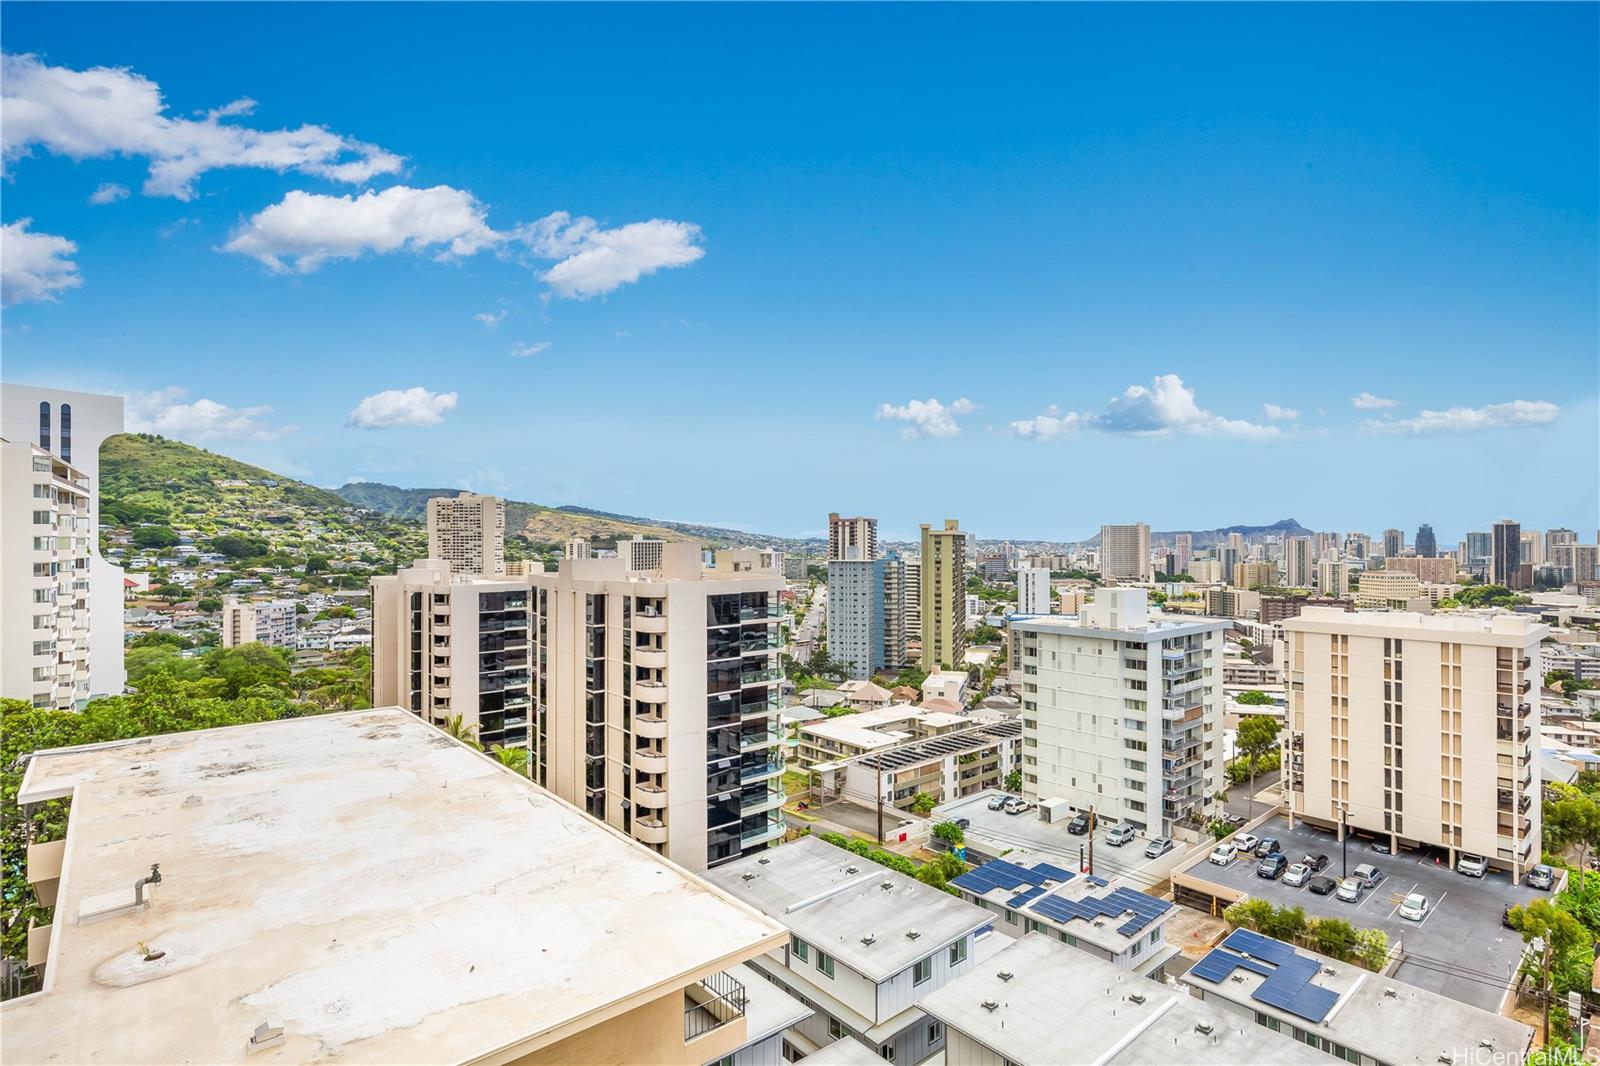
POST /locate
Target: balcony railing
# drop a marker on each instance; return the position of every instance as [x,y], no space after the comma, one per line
[712,1003]
[750,614]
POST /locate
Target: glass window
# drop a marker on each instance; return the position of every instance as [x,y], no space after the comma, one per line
[825,963]
[922,971]
[44,426]
[835,1030]
[1011,916]
[935,1032]
[958,952]
[798,948]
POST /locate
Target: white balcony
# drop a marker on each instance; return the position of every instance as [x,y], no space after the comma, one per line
[650,658]
[650,623]
[650,691]
[652,726]
[650,830]
[650,762]
[650,797]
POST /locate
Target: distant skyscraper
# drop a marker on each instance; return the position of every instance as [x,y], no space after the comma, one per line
[1033,590]
[1183,549]
[1427,547]
[856,613]
[1125,552]
[1394,543]
[468,532]
[1357,545]
[944,596]
[1506,554]
[1298,563]
[897,596]
[1532,547]
[1479,547]
[847,533]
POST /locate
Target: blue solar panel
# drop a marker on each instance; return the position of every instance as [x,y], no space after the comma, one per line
[1146,909]
[1098,882]
[998,873]
[1022,897]
[1288,973]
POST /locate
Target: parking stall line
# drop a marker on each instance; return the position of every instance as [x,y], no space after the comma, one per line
[1403,896]
[1431,911]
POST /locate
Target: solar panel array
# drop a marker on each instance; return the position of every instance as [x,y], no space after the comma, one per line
[1024,896]
[1288,973]
[1146,909]
[998,873]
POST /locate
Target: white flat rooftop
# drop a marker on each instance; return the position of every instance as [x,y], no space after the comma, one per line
[382,891]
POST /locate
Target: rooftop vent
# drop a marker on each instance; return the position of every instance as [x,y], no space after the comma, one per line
[886,884]
[269,1034]
[1135,997]
[1390,993]
[1005,975]
[852,869]
[1238,978]
[1204,1028]
[763,860]
[990,1005]
[1328,971]
[912,934]
[1445,1056]
[869,939]
[748,876]
[1486,1044]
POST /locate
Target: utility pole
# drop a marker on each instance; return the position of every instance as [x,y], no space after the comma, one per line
[880,801]
[1091,839]
[1344,840]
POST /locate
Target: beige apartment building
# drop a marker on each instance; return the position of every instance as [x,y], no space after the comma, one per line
[852,538]
[359,888]
[943,616]
[270,622]
[1396,590]
[1254,575]
[1421,728]
[1125,552]
[657,693]
[468,532]
[60,602]
[1440,571]
[447,644]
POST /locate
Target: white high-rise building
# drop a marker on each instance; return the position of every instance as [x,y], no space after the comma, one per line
[60,601]
[1333,578]
[852,538]
[1033,590]
[1299,563]
[640,553]
[1122,710]
[913,601]
[270,622]
[1183,551]
[856,613]
[1125,552]
[1421,728]
[468,532]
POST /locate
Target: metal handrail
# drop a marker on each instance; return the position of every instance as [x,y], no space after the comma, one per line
[727,1002]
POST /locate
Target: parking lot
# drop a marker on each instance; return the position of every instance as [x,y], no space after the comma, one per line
[1026,831]
[1459,950]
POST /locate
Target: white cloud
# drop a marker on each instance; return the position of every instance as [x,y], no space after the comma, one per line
[490,320]
[402,407]
[1367,402]
[1167,408]
[522,351]
[1049,426]
[595,261]
[109,111]
[490,479]
[1274,413]
[927,418]
[304,230]
[166,413]
[34,266]
[1512,415]
[108,192]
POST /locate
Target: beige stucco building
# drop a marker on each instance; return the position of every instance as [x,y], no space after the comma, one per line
[270,622]
[943,614]
[360,888]
[468,531]
[1420,728]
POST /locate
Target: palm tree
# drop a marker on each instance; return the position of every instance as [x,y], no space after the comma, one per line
[515,758]
[455,726]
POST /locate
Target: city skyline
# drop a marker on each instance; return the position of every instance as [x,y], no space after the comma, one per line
[1083,246]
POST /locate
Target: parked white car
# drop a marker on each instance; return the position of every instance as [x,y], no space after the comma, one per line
[1246,842]
[1297,874]
[1350,889]
[1414,907]
[1223,854]
[1472,865]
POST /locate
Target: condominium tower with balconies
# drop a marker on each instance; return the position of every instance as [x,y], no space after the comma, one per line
[468,532]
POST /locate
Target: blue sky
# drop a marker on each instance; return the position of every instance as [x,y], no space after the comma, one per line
[890,260]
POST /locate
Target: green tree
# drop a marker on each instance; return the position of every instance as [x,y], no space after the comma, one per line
[239,546]
[515,758]
[209,605]
[249,666]
[1334,937]
[1253,698]
[1286,923]
[950,833]
[155,537]
[923,803]
[1372,948]
[1250,913]
[1258,734]
[1013,781]
[1567,946]
[456,726]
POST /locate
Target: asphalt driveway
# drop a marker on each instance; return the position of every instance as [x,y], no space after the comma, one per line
[1460,950]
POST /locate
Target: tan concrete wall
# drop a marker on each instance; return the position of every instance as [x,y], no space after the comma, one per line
[650,1034]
